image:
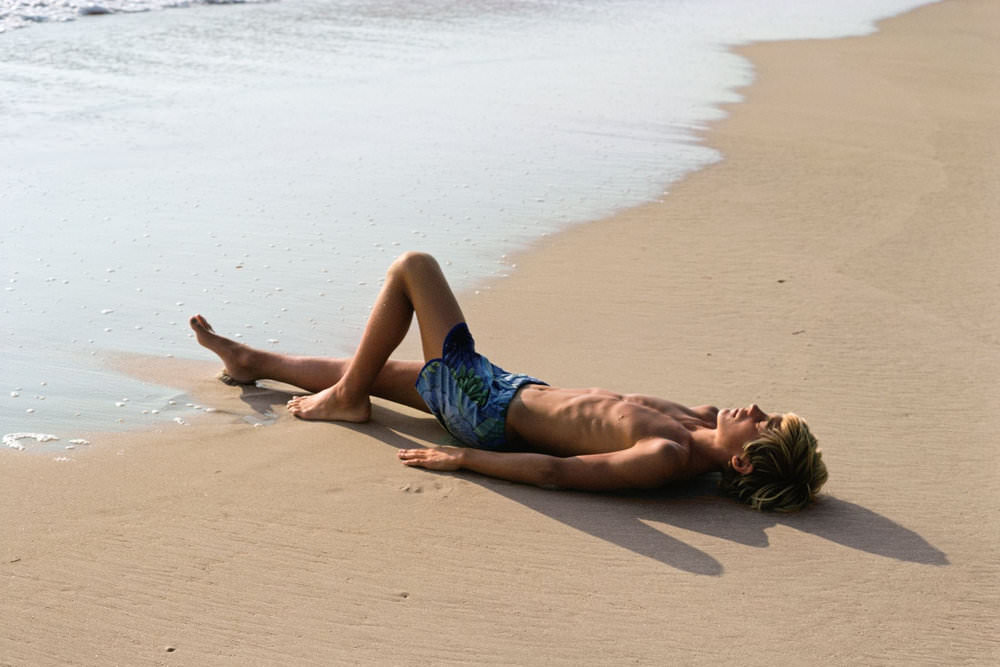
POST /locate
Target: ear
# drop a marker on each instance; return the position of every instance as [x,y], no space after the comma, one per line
[741,464]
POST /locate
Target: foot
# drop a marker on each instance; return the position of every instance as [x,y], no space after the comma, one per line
[236,357]
[331,405]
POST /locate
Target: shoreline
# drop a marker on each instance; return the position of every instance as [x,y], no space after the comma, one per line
[308,542]
[176,221]
[135,365]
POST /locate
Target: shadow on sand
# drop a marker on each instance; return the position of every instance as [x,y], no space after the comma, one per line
[625,519]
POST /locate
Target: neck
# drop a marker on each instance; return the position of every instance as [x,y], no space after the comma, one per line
[706,451]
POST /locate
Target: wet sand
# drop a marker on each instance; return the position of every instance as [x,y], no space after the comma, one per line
[840,262]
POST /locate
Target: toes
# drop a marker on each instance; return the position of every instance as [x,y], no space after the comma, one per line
[203,322]
[200,324]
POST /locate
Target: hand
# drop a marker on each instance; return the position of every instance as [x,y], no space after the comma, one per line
[434,458]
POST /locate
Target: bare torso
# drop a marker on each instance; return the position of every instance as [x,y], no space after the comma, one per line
[571,422]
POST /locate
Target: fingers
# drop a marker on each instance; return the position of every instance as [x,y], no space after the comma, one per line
[411,453]
[413,457]
[432,459]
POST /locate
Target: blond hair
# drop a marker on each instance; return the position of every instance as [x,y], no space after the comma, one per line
[788,468]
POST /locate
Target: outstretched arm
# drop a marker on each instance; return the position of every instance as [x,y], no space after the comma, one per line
[647,464]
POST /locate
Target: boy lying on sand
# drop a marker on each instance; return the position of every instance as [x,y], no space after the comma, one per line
[517,427]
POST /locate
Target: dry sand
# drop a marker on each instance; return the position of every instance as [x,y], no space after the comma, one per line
[840,262]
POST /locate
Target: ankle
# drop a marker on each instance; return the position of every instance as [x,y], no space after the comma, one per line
[247,361]
[349,391]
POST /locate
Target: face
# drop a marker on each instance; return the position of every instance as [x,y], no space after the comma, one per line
[737,426]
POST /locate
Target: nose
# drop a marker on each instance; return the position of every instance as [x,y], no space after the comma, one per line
[756,412]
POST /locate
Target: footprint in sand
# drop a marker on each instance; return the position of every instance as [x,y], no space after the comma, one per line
[437,486]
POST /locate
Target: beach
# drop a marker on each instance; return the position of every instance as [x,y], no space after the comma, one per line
[268,176]
[839,261]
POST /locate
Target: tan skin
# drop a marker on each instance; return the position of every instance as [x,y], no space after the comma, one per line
[588,439]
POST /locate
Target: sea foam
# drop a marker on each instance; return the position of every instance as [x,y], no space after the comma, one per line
[22,13]
[13,440]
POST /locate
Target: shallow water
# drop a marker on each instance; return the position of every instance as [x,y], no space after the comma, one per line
[263,163]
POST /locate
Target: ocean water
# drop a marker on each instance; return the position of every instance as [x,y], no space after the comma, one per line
[261,163]
[22,13]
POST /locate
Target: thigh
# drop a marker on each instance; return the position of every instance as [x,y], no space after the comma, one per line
[433,301]
[397,382]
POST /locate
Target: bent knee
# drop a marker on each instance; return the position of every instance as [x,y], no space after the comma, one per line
[413,261]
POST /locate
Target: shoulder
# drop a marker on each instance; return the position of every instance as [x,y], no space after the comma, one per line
[671,455]
[707,412]
[649,463]
[655,461]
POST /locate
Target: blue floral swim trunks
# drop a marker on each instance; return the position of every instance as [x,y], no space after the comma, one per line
[468,394]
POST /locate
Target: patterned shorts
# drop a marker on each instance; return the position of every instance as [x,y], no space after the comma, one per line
[468,394]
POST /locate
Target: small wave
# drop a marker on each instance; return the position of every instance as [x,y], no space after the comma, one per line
[13,440]
[93,10]
[22,13]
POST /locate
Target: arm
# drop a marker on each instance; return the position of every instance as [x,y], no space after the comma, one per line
[647,464]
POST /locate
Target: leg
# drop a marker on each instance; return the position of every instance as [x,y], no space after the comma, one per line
[245,364]
[414,283]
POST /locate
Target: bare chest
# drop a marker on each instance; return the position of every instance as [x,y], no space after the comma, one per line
[572,422]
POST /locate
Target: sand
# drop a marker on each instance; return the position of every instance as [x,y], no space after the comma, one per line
[840,262]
